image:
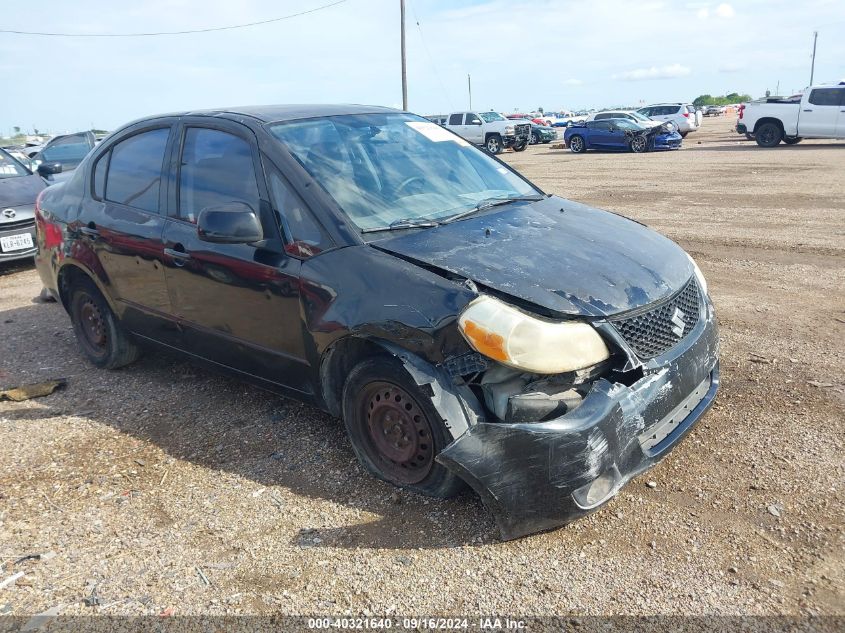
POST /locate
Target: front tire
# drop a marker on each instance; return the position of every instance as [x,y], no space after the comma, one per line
[792,140]
[520,147]
[639,144]
[534,138]
[395,429]
[768,135]
[102,338]
[577,144]
[494,144]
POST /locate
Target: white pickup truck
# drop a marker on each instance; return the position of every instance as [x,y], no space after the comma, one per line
[818,113]
[490,130]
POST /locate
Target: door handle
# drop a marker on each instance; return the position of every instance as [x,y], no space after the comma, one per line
[808,110]
[178,255]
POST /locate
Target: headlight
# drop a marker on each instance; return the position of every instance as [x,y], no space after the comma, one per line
[519,340]
[698,274]
[508,130]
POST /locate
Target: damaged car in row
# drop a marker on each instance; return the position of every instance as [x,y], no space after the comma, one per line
[621,134]
[468,328]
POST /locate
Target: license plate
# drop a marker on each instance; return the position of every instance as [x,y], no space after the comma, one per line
[16,242]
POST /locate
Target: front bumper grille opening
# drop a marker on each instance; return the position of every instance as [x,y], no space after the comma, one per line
[658,330]
[17,225]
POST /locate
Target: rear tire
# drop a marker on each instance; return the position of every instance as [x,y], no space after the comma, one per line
[102,338]
[395,429]
[534,138]
[768,135]
[494,144]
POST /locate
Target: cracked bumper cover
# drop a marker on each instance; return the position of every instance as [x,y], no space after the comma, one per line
[529,475]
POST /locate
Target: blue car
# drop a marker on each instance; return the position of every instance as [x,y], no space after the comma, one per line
[619,134]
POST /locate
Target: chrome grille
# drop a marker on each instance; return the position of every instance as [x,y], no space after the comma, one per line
[17,224]
[522,130]
[658,330]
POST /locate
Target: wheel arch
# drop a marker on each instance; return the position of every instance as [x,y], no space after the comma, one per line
[768,119]
[458,406]
[73,271]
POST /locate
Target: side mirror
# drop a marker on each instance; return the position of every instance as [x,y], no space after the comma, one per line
[48,169]
[230,223]
[475,122]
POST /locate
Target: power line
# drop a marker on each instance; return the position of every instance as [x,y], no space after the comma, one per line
[208,30]
[430,58]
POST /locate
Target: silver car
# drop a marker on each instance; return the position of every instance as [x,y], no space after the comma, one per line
[19,188]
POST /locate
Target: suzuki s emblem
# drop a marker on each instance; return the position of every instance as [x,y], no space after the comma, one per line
[9,213]
[678,320]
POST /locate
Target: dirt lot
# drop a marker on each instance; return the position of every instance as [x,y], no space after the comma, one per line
[146,481]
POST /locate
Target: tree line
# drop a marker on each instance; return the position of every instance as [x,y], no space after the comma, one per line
[706,100]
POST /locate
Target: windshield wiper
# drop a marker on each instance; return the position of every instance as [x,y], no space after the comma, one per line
[489,203]
[404,223]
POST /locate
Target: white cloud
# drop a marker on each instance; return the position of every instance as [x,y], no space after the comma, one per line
[725,10]
[655,72]
[703,13]
[572,82]
[732,67]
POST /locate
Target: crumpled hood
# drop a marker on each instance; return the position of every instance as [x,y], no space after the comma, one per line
[560,255]
[20,190]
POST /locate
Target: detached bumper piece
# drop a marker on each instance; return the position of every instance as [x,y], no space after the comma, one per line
[541,475]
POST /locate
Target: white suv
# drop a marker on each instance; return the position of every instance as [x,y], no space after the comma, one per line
[684,116]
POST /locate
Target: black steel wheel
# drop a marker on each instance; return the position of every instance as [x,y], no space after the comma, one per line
[101,336]
[394,428]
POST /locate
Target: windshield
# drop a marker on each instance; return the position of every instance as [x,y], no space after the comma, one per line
[10,168]
[639,116]
[626,124]
[390,167]
[489,117]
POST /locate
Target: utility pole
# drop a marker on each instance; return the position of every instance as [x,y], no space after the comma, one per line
[813,64]
[404,72]
[469,88]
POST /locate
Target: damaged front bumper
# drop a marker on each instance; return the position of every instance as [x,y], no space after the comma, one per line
[538,476]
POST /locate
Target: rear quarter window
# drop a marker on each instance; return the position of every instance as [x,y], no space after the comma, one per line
[826,96]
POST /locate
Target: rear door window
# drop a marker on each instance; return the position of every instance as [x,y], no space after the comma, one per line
[216,168]
[456,119]
[134,171]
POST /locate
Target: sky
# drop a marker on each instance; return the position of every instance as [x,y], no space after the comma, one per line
[522,55]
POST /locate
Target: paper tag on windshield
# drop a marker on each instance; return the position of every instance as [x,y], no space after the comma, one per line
[434,132]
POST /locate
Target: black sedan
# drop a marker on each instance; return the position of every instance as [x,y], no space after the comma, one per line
[468,328]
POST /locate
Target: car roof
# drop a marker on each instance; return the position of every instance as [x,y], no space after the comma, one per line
[281,113]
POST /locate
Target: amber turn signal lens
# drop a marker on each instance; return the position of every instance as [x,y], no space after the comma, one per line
[488,343]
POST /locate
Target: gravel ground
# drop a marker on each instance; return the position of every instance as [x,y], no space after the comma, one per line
[173,490]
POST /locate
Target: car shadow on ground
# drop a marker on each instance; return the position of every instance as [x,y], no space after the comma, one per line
[736,145]
[222,424]
[16,266]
